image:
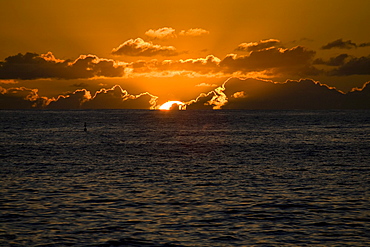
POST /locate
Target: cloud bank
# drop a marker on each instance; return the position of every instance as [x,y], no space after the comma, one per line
[304,94]
[234,93]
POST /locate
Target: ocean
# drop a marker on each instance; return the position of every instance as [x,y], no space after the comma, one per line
[184,178]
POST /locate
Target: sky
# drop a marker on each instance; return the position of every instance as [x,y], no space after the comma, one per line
[234,54]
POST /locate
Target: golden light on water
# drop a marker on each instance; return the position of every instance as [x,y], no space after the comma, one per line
[172,105]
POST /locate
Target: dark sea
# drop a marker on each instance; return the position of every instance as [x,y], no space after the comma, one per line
[184,178]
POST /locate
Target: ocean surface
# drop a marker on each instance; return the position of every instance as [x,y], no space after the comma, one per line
[185,178]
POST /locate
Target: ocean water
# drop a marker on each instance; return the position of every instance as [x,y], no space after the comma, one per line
[186,178]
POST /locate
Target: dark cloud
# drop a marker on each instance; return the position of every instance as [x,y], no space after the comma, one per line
[358,98]
[254,46]
[302,94]
[70,101]
[334,61]
[277,59]
[339,43]
[117,98]
[302,40]
[364,44]
[139,47]
[202,102]
[235,93]
[21,98]
[113,98]
[355,66]
[34,66]
[262,94]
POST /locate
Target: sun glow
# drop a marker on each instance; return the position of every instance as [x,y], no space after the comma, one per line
[172,105]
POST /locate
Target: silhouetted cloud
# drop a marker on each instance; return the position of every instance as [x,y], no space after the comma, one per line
[113,98]
[139,47]
[202,102]
[276,60]
[161,33]
[21,98]
[334,61]
[262,94]
[364,44]
[237,93]
[355,66]
[339,43]
[34,66]
[234,93]
[358,98]
[117,98]
[254,46]
[269,61]
[70,101]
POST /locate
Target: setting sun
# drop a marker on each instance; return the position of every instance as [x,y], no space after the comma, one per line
[172,105]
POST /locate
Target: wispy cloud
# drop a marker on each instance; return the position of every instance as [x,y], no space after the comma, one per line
[341,44]
[169,32]
[254,46]
[161,33]
[194,32]
[139,47]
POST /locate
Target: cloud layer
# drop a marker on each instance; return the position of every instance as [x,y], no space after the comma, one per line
[266,63]
[34,66]
[261,60]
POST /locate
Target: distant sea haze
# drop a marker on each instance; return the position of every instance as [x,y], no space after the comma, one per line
[184,178]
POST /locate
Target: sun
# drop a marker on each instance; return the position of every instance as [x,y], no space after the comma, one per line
[172,105]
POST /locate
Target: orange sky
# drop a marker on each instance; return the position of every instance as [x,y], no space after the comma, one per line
[177,50]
